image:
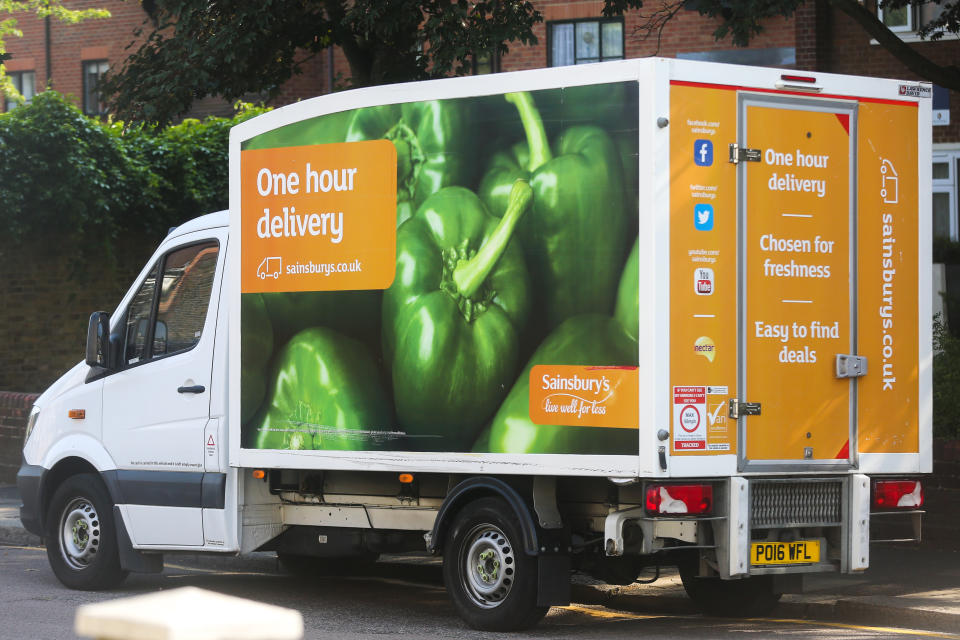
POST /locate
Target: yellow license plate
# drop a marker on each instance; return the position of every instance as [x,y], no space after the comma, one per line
[799,552]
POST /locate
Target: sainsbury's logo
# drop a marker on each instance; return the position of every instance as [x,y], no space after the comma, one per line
[575,383]
[597,396]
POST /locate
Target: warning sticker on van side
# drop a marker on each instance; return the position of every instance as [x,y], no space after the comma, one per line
[319,217]
[690,418]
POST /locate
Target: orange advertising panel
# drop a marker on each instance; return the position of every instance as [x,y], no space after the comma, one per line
[888,277]
[797,250]
[319,217]
[582,396]
[703,269]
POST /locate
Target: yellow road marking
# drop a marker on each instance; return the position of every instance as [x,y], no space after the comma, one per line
[609,614]
[858,627]
[622,615]
[12,546]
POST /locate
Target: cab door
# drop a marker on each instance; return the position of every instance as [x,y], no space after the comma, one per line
[156,407]
[797,366]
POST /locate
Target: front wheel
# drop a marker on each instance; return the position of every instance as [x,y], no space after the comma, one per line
[492,583]
[81,535]
[743,598]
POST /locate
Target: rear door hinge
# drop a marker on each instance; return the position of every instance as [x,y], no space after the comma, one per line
[738,409]
[738,155]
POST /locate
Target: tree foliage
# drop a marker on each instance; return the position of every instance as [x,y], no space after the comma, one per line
[743,19]
[67,176]
[234,48]
[946,378]
[53,9]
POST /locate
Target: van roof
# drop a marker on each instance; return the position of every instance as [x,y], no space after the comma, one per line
[209,221]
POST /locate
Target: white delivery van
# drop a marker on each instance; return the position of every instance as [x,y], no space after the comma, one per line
[601,318]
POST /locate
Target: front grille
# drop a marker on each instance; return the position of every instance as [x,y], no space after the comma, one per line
[796,503]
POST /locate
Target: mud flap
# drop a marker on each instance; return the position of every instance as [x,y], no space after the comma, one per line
[553,568]
[131,559]
[553,580]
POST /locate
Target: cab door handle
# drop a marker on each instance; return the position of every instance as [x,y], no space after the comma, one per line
[197,388]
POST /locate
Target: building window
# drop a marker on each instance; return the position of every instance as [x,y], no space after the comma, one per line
[945,223]
[487,61]
[584,41]
[907,20]
[26,83]
[899,19]
[93,70]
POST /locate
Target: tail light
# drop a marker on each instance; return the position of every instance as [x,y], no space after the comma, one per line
[897,494]
[688,499]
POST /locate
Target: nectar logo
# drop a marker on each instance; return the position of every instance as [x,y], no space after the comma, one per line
[704,346]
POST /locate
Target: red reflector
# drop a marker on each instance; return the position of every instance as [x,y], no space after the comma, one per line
[897,494]
[679,498]
[787,78]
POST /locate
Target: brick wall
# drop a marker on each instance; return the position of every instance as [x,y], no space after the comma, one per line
[14,409]
[73,44]
[47,300]
[687,32]
[846,48]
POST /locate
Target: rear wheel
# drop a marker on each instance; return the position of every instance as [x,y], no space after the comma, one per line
[492,583]
[743,598]
[81,535]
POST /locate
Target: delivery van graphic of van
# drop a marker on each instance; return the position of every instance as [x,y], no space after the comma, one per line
[890,191]
[269,268]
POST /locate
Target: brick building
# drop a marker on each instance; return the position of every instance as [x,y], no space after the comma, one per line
[817,38]
[70,57]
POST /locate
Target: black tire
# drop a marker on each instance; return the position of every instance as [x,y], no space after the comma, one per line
[81,535]
[743,598]
[491,582]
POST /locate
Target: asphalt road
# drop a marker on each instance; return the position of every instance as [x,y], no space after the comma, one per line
[395,600]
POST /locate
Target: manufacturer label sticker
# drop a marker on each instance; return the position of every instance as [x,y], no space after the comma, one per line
[916,91]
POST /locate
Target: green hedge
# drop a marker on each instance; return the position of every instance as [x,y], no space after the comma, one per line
[68,175]
[946,382]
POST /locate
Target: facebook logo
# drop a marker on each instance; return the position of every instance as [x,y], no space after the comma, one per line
[703,217]
[703,152]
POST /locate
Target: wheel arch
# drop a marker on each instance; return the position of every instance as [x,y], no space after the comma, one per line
[479,487]
[52,479]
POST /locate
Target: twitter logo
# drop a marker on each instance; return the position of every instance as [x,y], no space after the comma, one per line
[703,217]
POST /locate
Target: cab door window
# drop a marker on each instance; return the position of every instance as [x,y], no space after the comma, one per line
[184,298]
[169,310]
[138,320]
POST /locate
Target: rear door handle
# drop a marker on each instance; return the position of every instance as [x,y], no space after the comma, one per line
[197,388]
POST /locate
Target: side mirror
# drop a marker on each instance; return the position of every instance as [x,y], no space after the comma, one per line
[98,339]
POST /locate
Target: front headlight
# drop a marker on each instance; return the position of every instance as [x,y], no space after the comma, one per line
[31,422]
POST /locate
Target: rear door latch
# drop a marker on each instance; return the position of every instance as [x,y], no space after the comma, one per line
[851,366]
